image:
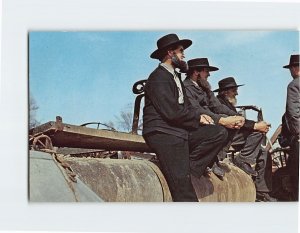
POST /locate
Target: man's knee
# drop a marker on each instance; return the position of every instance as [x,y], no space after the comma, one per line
[257,135]
[221,133]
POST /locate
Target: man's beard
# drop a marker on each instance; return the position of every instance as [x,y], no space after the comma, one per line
[232,100]
[182,65]
[204,84]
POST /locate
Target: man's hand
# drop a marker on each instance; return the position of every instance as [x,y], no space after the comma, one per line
[232,122]
[240,121]
[206,120]
[262,126]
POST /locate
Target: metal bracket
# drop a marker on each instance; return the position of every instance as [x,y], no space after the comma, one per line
[138,88]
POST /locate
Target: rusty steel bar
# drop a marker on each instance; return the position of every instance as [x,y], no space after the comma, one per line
[273,138]
[66,135]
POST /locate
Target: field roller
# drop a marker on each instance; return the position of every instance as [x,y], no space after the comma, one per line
[121,180]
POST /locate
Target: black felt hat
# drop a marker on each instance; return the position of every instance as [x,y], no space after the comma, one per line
[294,61]
[167,41]
[227,83]
[199,63]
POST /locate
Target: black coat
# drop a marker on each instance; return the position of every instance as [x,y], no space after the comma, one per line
[162,112]
[249,124]
[292,112]
[200,99]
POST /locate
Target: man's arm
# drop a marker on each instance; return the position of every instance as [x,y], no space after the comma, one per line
[193,101]
[293,107]
[231,122]
[216,106]
[161,92]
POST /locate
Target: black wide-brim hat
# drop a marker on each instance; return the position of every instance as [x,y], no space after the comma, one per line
[294,61]
[199,63]
[226,84]
[168,41]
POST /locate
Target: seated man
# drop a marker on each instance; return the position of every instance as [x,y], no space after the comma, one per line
[182,137]
[199,93]
[249,139]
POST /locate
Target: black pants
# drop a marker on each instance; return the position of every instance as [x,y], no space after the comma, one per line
[204,144]
[173,154]
[293,165]
[249,143]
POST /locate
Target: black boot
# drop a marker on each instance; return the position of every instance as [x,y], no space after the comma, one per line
[265,197]
[219,172]
[245,167]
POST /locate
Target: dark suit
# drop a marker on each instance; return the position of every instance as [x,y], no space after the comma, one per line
[200,100]
[292,121]
[292,111]
[211,106]
[173,132]
[249,143]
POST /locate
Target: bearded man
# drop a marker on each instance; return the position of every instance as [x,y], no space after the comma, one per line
[199,93]
[291,122]
[248,140]
[182,137]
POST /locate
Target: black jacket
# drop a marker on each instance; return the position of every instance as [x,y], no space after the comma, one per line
[249,124]
[162,112]
[292,111]
[211,105]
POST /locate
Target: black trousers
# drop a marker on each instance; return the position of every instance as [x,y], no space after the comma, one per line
[174,157]
[293,165]
[204,144]
[249,143]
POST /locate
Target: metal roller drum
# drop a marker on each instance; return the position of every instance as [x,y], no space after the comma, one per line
[236,186]
[116,180]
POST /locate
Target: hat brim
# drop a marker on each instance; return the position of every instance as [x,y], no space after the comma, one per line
[226,88]
[185,44]
[290,65]
[211,68]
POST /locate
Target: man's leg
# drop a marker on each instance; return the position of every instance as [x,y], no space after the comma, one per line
[173,156]
[204,144]
[250,147]
[293,166]
[263,181]
[223,153]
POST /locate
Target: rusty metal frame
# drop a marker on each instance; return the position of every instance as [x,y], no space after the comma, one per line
[73,136]
[252,107]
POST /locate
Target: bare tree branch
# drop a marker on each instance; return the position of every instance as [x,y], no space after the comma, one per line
[33,107]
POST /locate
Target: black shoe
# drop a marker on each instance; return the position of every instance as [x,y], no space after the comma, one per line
[245,167]
[219,172]
[207,172]
[263,196]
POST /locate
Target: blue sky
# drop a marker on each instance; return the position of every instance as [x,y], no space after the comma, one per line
[88,76]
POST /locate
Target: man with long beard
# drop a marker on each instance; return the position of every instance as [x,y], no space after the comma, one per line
[181,136]
[248,140]
[199,93]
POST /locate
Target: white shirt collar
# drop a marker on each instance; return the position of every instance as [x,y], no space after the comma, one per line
[168,68]
[195,83]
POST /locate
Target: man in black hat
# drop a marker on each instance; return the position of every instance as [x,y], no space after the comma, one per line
[200,95]
[182,137]
[291,122]
[248,140]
